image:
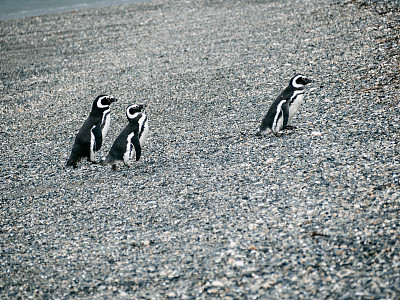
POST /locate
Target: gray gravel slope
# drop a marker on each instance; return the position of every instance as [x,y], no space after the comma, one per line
[210,210]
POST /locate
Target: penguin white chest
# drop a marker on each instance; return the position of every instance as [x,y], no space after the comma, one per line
[294,104]
[130,149]
[144,134]
[105,123]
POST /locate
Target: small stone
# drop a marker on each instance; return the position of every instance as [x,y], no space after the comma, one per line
[217,283]
[316,133]
[171,294]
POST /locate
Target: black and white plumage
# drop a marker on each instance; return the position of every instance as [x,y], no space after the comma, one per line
[285,106]
[93,131]
[131,140]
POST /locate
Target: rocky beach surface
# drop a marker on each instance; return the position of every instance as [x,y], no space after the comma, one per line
[210,210]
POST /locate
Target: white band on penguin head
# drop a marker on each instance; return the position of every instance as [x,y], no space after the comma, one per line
[295,84]
[131,111]
[100,104]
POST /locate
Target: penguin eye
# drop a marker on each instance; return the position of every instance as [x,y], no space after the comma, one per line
[300,80]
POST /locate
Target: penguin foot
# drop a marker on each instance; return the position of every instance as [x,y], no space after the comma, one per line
[114,168]
[289,127]
[277,134]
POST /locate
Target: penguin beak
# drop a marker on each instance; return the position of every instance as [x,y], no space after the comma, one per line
[309,81]
[142,105]
[112,99]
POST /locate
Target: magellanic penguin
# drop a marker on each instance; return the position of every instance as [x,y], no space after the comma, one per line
[284,107]
[93,131]
[131,140]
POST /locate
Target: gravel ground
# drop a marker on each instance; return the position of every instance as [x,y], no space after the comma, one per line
[210,210]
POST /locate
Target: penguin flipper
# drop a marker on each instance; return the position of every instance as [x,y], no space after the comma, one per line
[285,111]
[98,137]
[136,144]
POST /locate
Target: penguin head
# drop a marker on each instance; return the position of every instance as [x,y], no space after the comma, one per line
[103,102]
[299,81]
[132,109]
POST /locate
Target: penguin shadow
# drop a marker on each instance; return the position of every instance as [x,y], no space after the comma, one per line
[143,166]
[80,165]
[288,131]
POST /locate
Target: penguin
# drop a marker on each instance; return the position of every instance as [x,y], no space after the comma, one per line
[284,107]
[93,131]
[131,140]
